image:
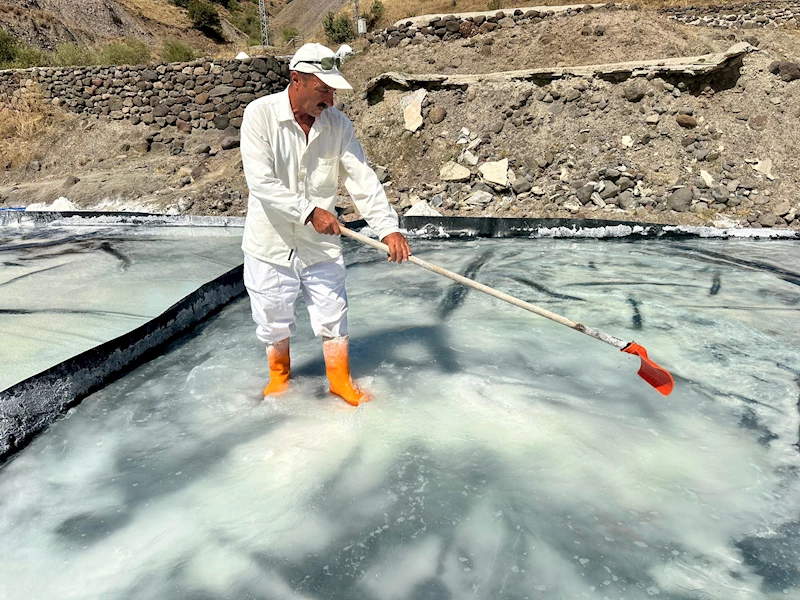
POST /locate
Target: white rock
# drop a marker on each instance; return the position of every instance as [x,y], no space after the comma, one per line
[451,171]
[469,158]
[474,144]
[537,191]
[412,109]
[495,172]
[764,167]
[706,176]
[572,206]
[422,209]
[242,56]
[627,141]
[480,198]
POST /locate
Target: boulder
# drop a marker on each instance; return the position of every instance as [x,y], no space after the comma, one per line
[681,199]
[495,172]
[480,198]
[412,109]
[437,114]
[451,171]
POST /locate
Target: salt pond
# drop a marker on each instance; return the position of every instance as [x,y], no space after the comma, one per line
[504,456]
[66,289]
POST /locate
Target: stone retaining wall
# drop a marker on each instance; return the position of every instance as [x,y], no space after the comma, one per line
[194,95]
[753,15]
[453,27]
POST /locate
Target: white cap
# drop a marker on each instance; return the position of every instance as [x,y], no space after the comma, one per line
[307,60]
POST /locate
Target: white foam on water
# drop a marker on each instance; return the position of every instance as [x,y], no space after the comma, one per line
[504,456]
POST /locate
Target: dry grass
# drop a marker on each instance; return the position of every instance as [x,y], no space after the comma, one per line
[159,10]
[23,125]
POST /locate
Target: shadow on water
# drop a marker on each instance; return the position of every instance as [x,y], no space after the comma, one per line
[457,293]
[369,351]
[775,558]
[429,501]
[143,475]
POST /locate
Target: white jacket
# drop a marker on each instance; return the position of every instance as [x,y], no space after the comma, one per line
[289,178]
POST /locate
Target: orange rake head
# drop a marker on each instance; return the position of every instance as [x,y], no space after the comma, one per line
[656,376]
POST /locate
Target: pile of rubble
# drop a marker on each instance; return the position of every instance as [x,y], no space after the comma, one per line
[585,147]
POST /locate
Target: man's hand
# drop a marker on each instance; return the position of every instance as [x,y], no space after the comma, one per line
[399,250]
[324,222]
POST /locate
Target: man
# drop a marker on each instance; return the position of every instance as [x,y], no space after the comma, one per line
[294,144]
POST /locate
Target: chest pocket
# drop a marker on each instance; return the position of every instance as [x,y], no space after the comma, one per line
[325,177]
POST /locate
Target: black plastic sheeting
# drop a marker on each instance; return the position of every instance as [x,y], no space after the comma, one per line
[452,227]
[29,406]
[468,227]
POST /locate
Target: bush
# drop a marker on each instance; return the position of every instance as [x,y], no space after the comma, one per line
[175,51]
[8,47]
[27,57]
[205,17]
[494,5]
[72,55]
[338,29]
[181,3]
[289,33]
[376,11]
[245,19]
[225,3]
[127,52]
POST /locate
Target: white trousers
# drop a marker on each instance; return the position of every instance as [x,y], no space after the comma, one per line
[273,290]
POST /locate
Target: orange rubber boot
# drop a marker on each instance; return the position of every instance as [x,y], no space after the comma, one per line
[278,357]
[337,365]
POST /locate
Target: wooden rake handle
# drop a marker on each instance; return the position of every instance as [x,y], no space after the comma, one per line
[649,371]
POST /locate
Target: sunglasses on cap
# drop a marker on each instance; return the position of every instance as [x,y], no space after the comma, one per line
[327,63]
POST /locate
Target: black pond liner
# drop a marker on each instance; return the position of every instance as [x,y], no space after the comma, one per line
[28,407]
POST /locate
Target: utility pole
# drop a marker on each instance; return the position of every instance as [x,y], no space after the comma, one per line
[264,18]
[358,14]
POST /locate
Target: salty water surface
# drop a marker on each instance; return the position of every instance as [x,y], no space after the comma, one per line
[504,456]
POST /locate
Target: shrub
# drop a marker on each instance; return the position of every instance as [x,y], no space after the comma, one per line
[225,3]
[70,55]
[338,29]
[127,52]
[205,17]
[376,11]
[494,5]
[8,47]
[245,18]
[181,3]
[175,51]
[27,57]
[289,33]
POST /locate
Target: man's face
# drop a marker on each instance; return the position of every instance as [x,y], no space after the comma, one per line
[313,96]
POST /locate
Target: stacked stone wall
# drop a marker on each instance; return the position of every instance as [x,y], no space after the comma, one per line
[752,15]
[453,27]
[196,95]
